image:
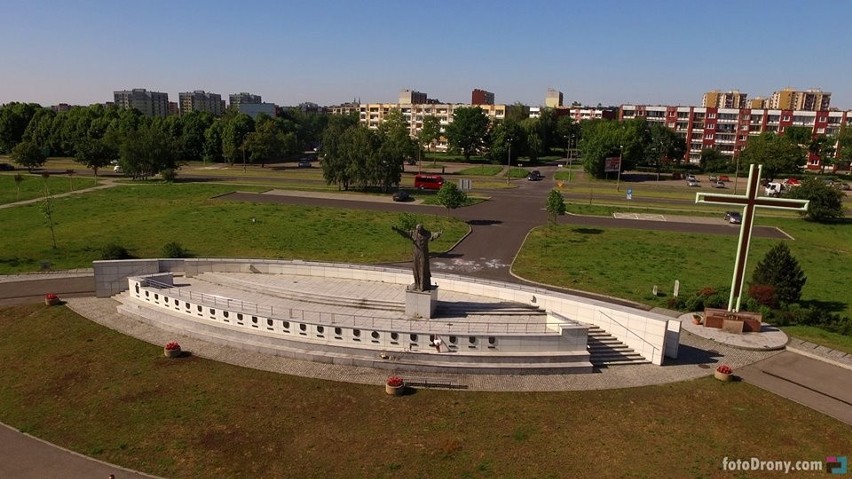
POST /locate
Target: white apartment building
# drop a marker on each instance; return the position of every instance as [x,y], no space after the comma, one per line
[200,100]
[150,103]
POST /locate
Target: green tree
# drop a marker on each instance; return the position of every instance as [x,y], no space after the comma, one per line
[826,202]
[46,208]
[505,134]
[664,148]
[601,139]
[28,155]
[14,118]
[94,153]
[234,135]
[714,161]
[333,150]
[555,205]
[776,153]
[800,135]
[212,150]
[268,142]
[430,131]
[147,152]
[451,196]
[534,144]
[468,131]
[780,270]
[844,145]
[567,132]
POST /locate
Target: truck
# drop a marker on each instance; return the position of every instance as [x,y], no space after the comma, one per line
[773,189]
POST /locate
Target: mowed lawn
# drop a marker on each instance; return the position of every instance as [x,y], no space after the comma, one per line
[33,186]
[95,391]
[144,217]
[627,263]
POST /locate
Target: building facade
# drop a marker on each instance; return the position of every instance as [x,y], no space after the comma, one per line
[412,97]
[553,98]
[150,103]
[255,109]
[729,99]
[727,130]
[199,100]
[371,115]
[481,97]
[237,99]
[807,100]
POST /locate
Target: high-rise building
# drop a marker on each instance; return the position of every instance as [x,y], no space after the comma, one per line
[729,99]
[150,103]
[237,99]
[553,98]
[806,100]
[411,97]
[481,97]
[199,100]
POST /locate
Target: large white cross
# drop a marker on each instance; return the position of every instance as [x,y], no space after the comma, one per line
[750,201]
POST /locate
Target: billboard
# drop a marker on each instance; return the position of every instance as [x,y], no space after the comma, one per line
[612,164]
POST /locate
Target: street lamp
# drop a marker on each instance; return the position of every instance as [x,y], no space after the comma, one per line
[620,159]
[509,163]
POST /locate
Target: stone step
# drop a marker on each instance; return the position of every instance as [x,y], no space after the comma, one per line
[606,350]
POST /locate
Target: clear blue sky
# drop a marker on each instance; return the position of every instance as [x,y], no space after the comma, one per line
[328,52]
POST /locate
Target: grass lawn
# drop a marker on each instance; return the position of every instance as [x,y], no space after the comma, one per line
[488,170]
[821,336]
[516,172]
[628,263]
[32,186]
[144,217]
[115,398]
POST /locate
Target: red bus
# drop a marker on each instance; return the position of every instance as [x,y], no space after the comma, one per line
[428,182]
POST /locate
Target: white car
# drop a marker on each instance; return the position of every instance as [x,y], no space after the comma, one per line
[117,169]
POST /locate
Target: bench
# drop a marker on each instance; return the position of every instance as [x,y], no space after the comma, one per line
[446,383]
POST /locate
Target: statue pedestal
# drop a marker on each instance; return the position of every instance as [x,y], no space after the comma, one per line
[421,303]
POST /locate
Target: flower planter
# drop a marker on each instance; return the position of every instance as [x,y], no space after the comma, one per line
[394,390]
[725,377]
[51,301]
[172,353]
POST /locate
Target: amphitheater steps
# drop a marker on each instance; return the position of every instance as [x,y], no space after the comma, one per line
[606,350]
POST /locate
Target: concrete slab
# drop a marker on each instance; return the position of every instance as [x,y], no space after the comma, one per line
[769,338]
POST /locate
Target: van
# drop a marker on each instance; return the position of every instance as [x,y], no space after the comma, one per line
[428,182]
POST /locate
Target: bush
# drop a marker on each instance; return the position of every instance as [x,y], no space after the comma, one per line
[763,294]
[168,174]
[114,251]
[175,250]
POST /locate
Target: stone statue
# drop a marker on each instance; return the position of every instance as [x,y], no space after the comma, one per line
[420,237]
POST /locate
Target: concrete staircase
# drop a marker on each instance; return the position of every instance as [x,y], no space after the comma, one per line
[606,350]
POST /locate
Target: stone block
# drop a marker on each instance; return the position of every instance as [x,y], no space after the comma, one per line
[421,303]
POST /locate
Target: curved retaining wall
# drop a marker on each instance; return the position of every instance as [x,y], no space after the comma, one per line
[651,335]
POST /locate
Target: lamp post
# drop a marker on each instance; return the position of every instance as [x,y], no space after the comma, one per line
[737,173]
[509,163]
[620,159]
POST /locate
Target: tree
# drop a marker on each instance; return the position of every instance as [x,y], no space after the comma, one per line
[268,142]
[777,154]
[505,134]
[234,135]
[567,132]
[430,131]
[534,142]
[780,270]
[714,161]
[468,131]
[14,118]
[826,202]
[147,152]
[28,155]
[46,208]
[94,153]
[800,135]
[450,196]
[664,148]
[555,205]
[601,139]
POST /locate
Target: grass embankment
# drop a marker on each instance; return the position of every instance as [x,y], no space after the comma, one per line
[145,217]
[32,186]
[628,263]
[109,396]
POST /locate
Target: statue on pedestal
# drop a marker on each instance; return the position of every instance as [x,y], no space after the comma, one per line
[420,237]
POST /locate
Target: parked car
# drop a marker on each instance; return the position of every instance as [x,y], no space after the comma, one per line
[117,169]
[713,178]
[718,184]
[535,175]
[401,195]
[733,217]
[304,163]
[6,167]
[692,183]
[691,178]
[724,178]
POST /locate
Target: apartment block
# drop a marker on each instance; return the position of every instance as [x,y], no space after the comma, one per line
[729,99]
[553,98]
[481,97]
[727,129]
[808,100]
[200,100]
[150,103]
[371,115]
[255,109]
[412,97]
[237,99]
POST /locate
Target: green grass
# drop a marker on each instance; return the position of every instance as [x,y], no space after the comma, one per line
[489,170]
[144,217]
[516,172]
[32,186]
[628,263]
[821,336]
[95,391]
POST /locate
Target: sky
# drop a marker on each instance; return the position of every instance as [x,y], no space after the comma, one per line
[656,52]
